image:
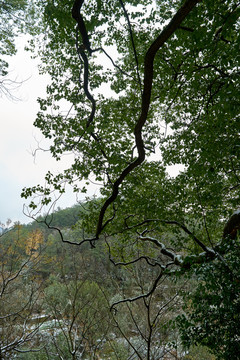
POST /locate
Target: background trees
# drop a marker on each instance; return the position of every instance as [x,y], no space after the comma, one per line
[20,290]
[81,318]
[76,304]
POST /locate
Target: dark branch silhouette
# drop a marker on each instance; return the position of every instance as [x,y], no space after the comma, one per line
[146,98]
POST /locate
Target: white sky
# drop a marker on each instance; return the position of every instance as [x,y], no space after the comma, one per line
[18,138]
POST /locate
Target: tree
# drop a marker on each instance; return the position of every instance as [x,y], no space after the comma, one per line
[17,17]
[171,65]
[212,310]
[143,324]
[19,291]
[76,306]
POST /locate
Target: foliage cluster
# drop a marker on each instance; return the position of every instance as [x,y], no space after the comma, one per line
[213,307]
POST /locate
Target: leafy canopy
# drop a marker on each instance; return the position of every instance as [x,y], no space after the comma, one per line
[212,309]
[193,92]
[138,86]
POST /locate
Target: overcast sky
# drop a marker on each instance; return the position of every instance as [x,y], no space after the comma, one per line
[18,138]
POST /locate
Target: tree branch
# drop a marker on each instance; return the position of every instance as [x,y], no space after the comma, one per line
[132,41]
[81,25]
[146,96]
[142,296]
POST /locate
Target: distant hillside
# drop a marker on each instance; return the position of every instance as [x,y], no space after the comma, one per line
[61,218]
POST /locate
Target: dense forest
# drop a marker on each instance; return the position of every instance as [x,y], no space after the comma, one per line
[149,267]
[60,301]
[65,301]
